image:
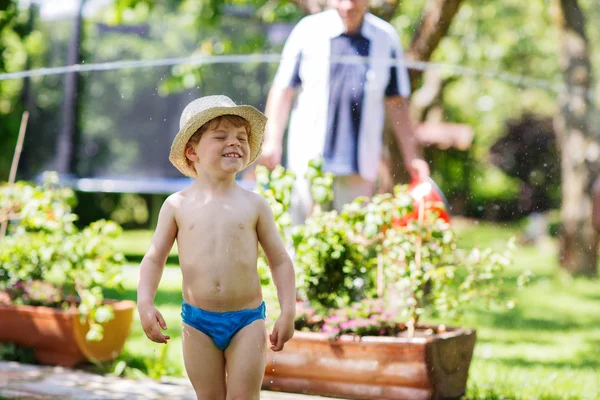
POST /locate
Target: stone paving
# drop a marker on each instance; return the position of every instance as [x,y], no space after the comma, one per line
[34,382]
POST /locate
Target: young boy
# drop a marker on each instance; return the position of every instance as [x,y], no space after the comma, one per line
[218,226]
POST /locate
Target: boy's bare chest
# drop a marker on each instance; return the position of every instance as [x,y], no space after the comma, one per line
[217,219]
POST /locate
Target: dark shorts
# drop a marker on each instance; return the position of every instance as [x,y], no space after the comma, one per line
[220,326]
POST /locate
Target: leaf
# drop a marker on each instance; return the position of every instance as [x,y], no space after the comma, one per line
[95,333]
[104,314]
[119,368]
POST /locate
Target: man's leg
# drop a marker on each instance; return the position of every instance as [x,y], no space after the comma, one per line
[204,364]
[301,201]
[246,360]
[348,188]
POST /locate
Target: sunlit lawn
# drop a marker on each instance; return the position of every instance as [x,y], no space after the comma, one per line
[548,347]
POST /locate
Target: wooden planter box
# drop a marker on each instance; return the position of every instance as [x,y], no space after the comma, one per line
[428,367]
[58,336]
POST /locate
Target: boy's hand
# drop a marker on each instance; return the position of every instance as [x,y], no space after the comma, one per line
[282,332]
[151,318]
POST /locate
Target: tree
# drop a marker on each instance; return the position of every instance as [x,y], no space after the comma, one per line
[435,22]
[578,240]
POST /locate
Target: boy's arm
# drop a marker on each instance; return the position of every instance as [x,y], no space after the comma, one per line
[151,271]
[154,260]
[280,263]
[282,271]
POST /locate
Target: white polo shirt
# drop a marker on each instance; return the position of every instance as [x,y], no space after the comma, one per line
[306,64]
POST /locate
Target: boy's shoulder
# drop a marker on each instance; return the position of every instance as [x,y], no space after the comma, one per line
[256,199]
[174,200]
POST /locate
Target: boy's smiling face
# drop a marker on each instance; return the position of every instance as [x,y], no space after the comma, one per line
[224,148]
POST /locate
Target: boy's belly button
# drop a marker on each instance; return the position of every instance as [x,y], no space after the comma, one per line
[217,287]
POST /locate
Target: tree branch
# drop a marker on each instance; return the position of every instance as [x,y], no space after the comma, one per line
[435,23]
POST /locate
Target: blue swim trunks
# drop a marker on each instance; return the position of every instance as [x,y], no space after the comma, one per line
[220,326]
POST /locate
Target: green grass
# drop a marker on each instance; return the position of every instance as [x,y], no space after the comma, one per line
[548,347]
[134,243]
[140,352]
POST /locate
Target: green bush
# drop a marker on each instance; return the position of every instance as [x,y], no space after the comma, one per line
[275,186]
[390,248]
[44,245]
[335,269]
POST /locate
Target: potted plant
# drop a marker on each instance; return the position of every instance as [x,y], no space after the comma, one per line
[365,277]
[52,276]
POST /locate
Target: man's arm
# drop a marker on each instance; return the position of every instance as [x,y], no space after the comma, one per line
[596,205]
[281,95]
[277,110]
[398,113]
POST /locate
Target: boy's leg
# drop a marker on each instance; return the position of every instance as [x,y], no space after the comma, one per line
[245,359]
[204,364]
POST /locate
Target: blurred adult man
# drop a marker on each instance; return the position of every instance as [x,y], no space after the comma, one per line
[346,65]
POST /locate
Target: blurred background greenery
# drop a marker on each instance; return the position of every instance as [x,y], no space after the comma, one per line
[124,119]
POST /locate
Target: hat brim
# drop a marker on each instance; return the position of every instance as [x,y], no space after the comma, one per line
[255,118]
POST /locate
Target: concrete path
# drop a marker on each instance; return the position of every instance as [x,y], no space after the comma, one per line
[34,382]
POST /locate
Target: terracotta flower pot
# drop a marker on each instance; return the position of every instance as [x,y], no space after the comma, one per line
[58,336]
[428,367]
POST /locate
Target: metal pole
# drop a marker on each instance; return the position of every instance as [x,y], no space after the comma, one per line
[66,147]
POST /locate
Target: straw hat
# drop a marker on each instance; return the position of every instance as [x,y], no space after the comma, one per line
[202,110]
